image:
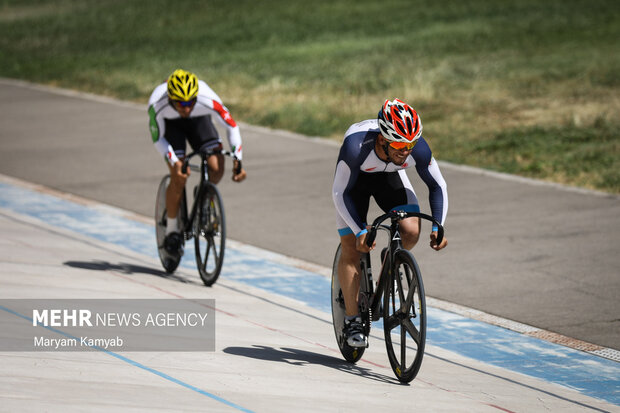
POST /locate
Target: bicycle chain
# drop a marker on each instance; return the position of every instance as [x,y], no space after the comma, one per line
[365,312]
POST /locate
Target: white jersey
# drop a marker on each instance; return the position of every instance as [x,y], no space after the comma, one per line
[207,103]
[357,158]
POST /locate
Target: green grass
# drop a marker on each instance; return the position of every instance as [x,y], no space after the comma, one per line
[579,155]
[526,87]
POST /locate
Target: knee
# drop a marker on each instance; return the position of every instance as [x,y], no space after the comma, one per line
[216,168]
[410,236]
[409,240]
[349,253]
[215,175]
[177,183]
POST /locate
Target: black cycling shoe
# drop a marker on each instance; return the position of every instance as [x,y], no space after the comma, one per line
[173,243]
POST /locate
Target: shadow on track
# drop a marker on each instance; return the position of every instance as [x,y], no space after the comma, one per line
[298,357]
[125,268]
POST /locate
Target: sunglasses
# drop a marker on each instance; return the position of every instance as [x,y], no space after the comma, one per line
[399,146]
[187,104]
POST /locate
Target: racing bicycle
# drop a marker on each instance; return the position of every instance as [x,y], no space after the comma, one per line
[205,221]
[397,297]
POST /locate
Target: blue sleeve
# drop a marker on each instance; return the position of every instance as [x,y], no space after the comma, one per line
[349,154]
[429,173]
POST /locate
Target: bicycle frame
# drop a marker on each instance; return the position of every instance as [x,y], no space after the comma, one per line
[374,297]
[399,297]
[202,185]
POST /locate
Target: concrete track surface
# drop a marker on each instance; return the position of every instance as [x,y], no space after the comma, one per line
[273,353]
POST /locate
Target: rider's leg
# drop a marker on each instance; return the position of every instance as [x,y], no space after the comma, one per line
[215,164]
[410,232]
[176,132]
[349,278]
[396,191]
[174,192]
[204,137]
[349,274]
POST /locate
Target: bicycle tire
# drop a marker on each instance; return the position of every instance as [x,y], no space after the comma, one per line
[407,322]
[210,235]
[350,354]
[170,262]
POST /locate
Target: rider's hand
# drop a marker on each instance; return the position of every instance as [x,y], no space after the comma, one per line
[444,242]
[360,244]
[241,175]
[178,169]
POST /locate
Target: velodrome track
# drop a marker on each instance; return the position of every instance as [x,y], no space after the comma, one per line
[275,348]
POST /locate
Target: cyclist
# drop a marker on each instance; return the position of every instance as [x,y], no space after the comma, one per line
[182,109]
[372,162]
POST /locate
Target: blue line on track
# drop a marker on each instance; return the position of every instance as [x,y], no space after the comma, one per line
[135,363]
[591,375]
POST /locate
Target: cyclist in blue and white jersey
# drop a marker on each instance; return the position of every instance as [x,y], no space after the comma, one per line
[372,162]
[180,109]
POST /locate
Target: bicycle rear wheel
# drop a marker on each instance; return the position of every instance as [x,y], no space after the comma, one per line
[210,234]
[404,317]
[170,262]
[350,354]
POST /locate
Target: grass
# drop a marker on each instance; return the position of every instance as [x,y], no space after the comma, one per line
[524,87]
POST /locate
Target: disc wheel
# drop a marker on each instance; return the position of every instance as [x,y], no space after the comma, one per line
[210,235]
[170,262]
[404,317]
[350,354]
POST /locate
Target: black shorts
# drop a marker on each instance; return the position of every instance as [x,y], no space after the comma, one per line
[198,131]
[389,189]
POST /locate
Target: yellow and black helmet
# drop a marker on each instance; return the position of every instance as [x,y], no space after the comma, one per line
[182,86]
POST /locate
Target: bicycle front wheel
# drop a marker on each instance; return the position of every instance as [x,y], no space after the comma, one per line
[210,235]
[404,317]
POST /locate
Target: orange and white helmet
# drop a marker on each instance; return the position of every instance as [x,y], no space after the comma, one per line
[399,122]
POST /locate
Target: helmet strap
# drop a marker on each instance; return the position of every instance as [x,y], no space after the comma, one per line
[385,147]
[387,153]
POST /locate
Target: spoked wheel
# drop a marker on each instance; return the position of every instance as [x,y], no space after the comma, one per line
[210,235]
[404,317]
[350,354]
[170,262]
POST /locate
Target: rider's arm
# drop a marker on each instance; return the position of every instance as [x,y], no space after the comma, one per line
[161,143]
[232,129]
[158,102]
[165,149]
[428,170]
[342,200]
[210,102]
[347,171]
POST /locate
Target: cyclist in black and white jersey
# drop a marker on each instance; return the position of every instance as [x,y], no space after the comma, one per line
[180,109]
[372,162]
